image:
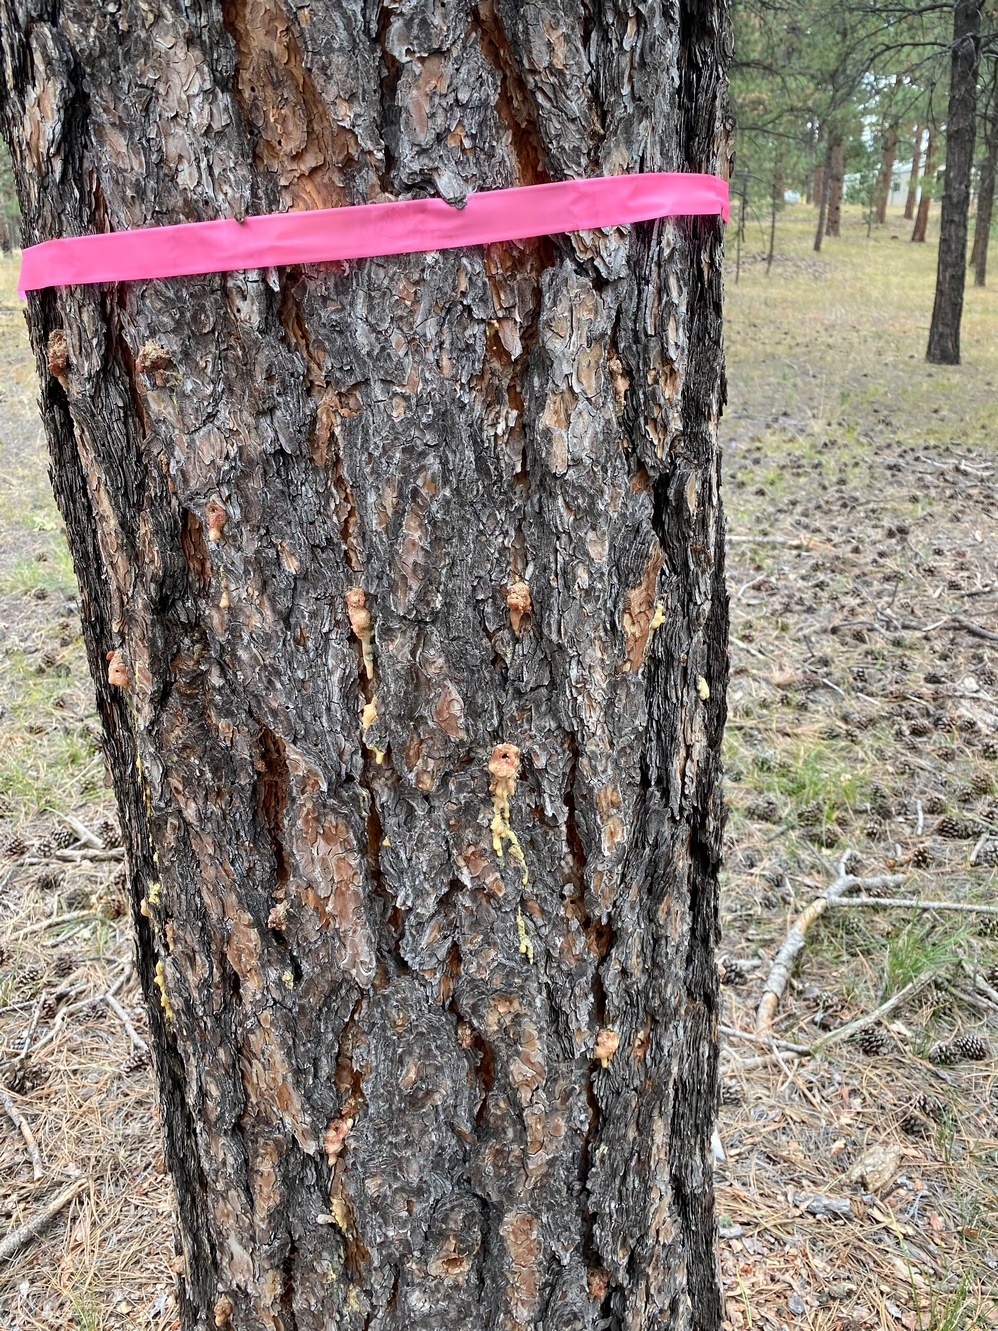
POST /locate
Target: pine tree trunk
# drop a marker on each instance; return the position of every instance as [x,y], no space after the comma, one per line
[928,185]
[986,184]
[826,185]
[886,172]
[916,158]
[818,190]
[961,126]
[985,202]
[435,1029]
[836,173]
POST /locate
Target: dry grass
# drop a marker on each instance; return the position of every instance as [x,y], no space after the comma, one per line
[852,708]
[875,481]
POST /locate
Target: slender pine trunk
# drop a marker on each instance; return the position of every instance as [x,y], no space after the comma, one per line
[928,185]
[836,173]
[916,159]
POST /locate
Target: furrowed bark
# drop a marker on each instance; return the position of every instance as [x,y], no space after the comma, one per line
[435,1030]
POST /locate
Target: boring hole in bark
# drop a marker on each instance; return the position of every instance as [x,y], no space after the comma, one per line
[485,1071]
[272,797]
[288,1318]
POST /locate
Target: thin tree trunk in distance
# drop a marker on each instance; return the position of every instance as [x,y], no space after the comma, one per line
[916,158]
[411,571]
[818,191]
[826,180]
[961,125]
[986,189]
[985,206]
[928,185]
[886,172]
[836,174]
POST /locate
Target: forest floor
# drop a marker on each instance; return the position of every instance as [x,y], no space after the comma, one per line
[858,1183]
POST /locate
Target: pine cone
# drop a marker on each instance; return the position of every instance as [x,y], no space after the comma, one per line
[946,753]
[970,1046]
[63,837]
[933,676]
[108,831]
[955,829]
[826,837]
[922,857]
[64,964]
[919,727]
[988,853]
[933,804]
[30,975]
[49,1007]
[873,829]
[48,880]
[730,1093]
[880,801]
[943,1055]
[966,724]
[45,848]
[15,847]
[874,1040]
[982,783]
[990,748]
[23,1077]
[764,810]
[140,1059]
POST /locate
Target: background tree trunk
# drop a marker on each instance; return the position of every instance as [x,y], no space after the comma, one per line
[826,186]
[928,186]
[886,173]
[961,124]
[818,192]
[836,172]
[986,189]
[435,1046]
[916,158]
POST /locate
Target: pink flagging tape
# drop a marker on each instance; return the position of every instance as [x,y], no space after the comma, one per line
[368,230]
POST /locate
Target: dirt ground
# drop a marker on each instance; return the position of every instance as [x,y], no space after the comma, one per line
[857,1182]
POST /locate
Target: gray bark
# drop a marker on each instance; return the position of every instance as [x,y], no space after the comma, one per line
[435,1030]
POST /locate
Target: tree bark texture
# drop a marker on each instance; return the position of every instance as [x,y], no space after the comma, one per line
[886,173]
[921,226]
[916,160]
[434,1019]
[961,125]
[836,176]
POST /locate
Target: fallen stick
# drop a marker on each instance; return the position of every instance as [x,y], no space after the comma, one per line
[770,1041]
[793,944]
[20,1238]
[83,832]
[979,982]
[871,1018]
[21,1123]
[917,903]
[53,922]
[125,1020]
